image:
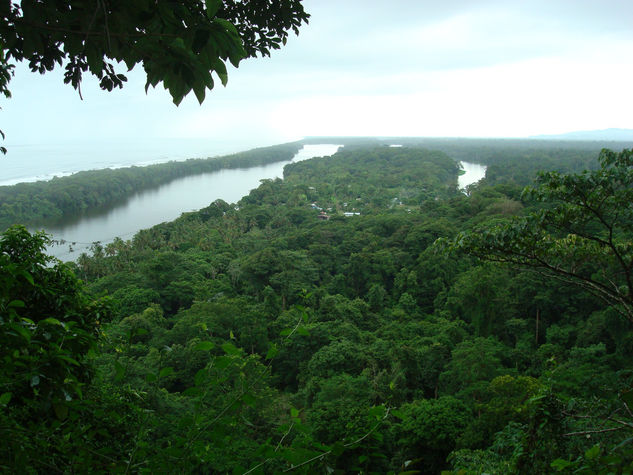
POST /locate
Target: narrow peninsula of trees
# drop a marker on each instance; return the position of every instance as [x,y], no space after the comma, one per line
[43,202]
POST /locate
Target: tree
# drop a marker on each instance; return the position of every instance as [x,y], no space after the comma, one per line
[47,323]
[584,234]
[473,363]
[178,43]
[430,429]
[48,334]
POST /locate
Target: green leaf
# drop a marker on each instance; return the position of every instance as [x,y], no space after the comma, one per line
[227,25]
[27,276]
[200,40]
[35,381]
[68,359]
[61,411]
[249,399]
[5,398]
[235,58]
[222,362]
[178,43]
[150,377]
[119,371]
[593,452]
[200,377]
[560,464]
[272,352]
[199,89]
[204,346]
[24,332]
[377,412]
[17,303]
[165,372]
[230,349]
[220,70]
[338,449]
[192,392]
[303,331]
[212,7]
[94,60]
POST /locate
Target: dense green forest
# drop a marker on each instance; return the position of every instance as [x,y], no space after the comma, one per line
[508,161]
[44,202]
[515,161]
[426,330]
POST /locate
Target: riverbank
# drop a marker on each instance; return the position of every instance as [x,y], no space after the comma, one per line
[147,208]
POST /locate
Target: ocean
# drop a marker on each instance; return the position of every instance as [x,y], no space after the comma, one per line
[33,162]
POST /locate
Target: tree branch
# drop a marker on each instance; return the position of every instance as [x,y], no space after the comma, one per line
[589,432]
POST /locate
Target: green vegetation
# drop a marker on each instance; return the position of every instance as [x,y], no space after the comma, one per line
[261,337]
[47,201]
[178,43]
[516,161]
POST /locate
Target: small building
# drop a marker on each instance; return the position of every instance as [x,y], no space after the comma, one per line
[323,216]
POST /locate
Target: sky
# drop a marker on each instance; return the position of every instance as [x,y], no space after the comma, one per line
[456,68]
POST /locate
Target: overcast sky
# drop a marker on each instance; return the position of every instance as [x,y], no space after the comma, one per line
[464,68]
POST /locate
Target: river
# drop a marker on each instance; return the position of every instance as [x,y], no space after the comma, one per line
[473,172]
[166,203]
[169,201]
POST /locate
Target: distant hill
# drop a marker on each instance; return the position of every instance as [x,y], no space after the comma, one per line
[618,135]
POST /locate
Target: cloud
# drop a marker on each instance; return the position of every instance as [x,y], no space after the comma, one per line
[491,67]
[507,100]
